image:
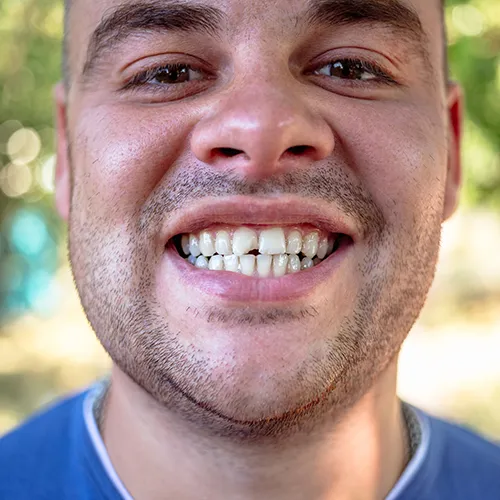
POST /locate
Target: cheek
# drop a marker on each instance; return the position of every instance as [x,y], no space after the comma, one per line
[121,153]
[398,151]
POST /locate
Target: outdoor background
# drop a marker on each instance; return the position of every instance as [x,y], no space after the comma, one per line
[451,362]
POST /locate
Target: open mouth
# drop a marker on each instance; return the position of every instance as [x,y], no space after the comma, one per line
[259,251]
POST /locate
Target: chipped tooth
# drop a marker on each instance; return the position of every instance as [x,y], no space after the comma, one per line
[306,263]
[244,241]
[216,263]
[247,264]
[185,244]
[293,264]
[192,259]
[201,262]
[231,263]
[194,245]
[207,244]
[294,243]
[264,263]
[310,245]
[279,265]
[272,241]
[322,248]
[223,243]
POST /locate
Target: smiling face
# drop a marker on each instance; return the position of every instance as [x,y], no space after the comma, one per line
[273,131]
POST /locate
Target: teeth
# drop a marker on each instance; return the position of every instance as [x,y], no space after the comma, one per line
[279,265]
[247,264]
[185,244]
[306,263]
[264,263]
[216,263]
[322,248]
[244,241]
[280,251]
[201,262]
[310,245]
[194,245]
[207,244]
[272,241]
[294,243]
[223,243]
[231,263]
[293,264]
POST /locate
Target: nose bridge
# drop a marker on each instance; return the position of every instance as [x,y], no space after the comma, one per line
[259,127]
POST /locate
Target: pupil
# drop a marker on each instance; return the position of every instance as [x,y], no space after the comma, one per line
[173,75]
[346,70]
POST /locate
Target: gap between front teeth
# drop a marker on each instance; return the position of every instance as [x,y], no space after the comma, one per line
[280,252]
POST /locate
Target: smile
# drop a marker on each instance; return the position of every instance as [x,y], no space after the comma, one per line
[263,252]
[248,249]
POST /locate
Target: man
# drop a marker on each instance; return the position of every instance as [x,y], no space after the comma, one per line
[255,193]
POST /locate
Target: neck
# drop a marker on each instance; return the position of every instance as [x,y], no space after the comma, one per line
[158,456]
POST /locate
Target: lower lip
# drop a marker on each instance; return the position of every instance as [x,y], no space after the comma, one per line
[235,287]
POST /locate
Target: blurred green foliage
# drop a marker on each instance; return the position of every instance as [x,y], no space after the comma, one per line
[30,54]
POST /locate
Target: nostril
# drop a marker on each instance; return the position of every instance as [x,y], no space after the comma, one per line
[298,150]
[229,152]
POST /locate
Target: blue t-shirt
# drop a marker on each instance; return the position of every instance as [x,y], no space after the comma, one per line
[59,455]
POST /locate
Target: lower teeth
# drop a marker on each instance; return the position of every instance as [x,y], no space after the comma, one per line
[263,266]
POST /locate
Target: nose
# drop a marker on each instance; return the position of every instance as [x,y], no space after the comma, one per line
[260,132]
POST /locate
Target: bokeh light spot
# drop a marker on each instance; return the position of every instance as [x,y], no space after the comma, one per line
[468,20]
[28,232]
[6,130]
[24,146]
[16,180]
[46,174]
[42,292]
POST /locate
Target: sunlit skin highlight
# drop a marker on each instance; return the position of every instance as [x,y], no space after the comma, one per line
[280,111]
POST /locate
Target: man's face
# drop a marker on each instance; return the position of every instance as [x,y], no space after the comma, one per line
[233,117]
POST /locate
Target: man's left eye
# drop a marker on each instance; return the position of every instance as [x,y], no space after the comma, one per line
[354,69]
[174,74]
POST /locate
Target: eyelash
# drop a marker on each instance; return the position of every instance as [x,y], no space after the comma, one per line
[144,78]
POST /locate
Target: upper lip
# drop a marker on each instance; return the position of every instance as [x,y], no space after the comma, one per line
[249,210]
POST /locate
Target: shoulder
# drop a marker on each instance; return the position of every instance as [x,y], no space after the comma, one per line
[41,449]
[43,429]
[468,464]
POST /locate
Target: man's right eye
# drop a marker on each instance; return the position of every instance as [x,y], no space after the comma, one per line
[167,74]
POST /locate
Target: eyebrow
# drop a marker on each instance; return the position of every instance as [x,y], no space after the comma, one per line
[151,16]
[180,16]
[393,14]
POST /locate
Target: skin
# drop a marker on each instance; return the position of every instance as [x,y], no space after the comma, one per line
[294,400]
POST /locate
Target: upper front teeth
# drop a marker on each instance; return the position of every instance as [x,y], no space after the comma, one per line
[272,241]
[278,250]
[244,241]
